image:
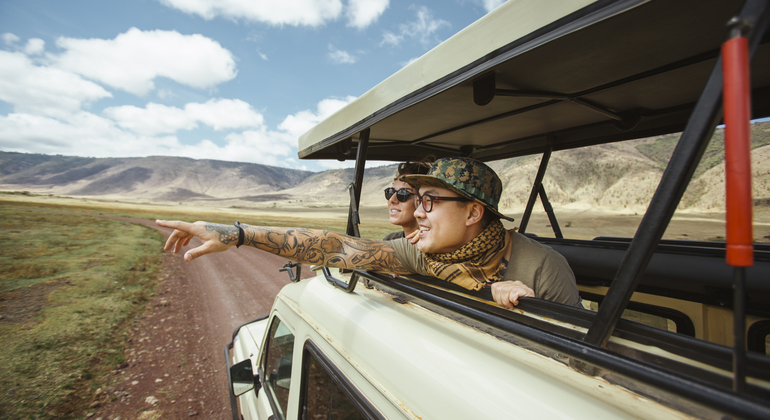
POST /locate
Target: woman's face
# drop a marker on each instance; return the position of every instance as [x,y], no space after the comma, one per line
[402,214]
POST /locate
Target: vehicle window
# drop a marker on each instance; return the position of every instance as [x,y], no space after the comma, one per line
[758,337]
[323,397]
[280,347]
[680,323]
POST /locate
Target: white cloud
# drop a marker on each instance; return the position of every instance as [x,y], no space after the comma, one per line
[273,12]
[84,134]
[341,57]
[489,5]
[219,114]
[362,13]
[262,56]
[34,46]
[44,90]
[10,39]
[422,29]
[299,123]
[134,59]
[134,132]
[165,94]
[87,134]
[390,38]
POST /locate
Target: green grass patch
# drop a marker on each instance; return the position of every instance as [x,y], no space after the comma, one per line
[70,286]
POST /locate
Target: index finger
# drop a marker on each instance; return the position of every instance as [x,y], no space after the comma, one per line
[174,224]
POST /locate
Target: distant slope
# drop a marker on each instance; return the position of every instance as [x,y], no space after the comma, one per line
[621,176]
[153,178]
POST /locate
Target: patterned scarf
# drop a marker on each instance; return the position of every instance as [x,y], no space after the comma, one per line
[479,262]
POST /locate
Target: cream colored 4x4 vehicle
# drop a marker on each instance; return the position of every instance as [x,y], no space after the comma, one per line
[531,78]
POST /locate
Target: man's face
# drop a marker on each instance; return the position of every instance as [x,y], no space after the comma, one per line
[443,229]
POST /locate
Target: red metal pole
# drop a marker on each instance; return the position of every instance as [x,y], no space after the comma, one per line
[740,235]
[737,112]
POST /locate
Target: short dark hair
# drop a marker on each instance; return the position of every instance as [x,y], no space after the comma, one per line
[488,218]
[420,167]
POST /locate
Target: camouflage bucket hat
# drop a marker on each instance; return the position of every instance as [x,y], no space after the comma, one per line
[465,176]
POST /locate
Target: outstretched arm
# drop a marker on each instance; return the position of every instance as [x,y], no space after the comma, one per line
[308,246]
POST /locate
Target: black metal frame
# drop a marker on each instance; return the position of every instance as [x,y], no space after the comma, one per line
[363,405]
[682,165]
[539,190]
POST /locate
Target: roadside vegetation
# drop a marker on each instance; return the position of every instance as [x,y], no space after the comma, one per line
[71,286]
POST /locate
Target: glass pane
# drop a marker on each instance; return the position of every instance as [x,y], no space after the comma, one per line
[325,399]
[278,364]
[644,318]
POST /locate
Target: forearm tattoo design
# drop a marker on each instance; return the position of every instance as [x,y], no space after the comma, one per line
[227,234]
[322,247]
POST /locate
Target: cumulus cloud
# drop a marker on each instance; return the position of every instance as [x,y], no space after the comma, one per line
[219,114]
[341,57]
[128,131]
[44,90]
[423,29]
[283,12]
[299,123]
[87,134]
[134,59]
[9,38]
[362,13]
[489,5]
[34,46]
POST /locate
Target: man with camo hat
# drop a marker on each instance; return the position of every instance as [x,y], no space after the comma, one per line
[461,241]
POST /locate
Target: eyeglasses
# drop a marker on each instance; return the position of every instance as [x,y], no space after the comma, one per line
[401,195]
[427,201]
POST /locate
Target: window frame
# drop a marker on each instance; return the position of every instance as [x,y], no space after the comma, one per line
[263,377]
[362,404]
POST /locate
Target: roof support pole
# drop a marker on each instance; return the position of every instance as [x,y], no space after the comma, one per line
[358,180]
[549,211]
[740,237]
[535,191]
[685,159]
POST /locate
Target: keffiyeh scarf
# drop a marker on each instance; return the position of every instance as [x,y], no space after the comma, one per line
[479,262]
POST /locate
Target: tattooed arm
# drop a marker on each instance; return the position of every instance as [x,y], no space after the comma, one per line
[309,246]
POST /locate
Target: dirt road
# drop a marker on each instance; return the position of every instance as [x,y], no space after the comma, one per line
[175,365]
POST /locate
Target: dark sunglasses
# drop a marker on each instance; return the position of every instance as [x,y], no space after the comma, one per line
[427,201]
[401,195]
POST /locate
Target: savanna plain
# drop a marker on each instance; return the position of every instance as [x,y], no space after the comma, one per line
[74,282]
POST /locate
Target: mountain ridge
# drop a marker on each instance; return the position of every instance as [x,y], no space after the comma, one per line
[618,176]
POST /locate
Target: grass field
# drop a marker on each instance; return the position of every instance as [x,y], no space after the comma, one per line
[71,285]
[70,288]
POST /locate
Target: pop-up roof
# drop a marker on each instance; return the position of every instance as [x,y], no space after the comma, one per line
[535,74]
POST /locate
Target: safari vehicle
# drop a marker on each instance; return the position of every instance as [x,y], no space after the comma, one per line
[531,78]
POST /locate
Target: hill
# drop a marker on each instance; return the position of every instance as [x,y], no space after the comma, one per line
[614,177]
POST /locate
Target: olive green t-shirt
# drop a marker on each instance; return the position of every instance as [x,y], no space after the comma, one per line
[536,265]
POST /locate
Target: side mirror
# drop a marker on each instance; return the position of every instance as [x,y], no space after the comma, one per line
[242,377]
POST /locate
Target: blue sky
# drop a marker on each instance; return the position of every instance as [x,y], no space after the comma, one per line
[235,80]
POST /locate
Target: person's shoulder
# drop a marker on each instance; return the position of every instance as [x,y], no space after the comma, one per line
[524,242]
[394,235]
